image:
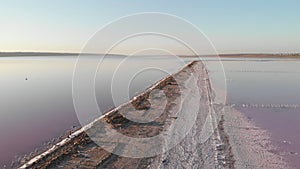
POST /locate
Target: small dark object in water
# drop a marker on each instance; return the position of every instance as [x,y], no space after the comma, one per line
[26,78]
[294,153]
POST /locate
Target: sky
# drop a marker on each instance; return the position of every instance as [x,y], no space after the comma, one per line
[233,26]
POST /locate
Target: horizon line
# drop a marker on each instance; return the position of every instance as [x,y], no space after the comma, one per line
[186,55]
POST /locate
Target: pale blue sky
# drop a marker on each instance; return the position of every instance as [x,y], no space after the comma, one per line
[234,26]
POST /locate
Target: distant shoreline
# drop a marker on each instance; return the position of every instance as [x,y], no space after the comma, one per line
[242,55]
[13,54]
[253,55]
[16,54]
